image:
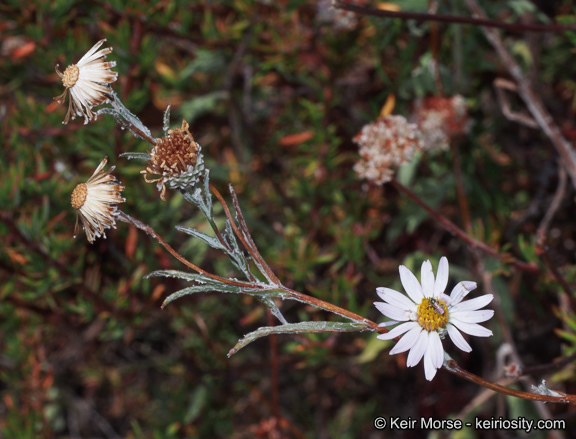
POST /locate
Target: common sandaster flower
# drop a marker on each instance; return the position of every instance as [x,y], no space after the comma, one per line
[88,82]
[96,202]
[428,314]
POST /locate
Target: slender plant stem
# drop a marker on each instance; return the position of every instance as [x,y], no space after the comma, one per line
[245,237]
[251,247]
[542,231]
[454,368]
[149,230]
[228,214]
[300,297]
[515,27]
[462,200]
[230,217]
[275,366]
[215,228]
[140,133]
[453,228]
[532,101]
[246,232]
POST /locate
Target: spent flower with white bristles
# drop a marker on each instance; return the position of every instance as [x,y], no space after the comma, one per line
[427,315]
[385,145]
[176,159]
[96,202]
[88,82]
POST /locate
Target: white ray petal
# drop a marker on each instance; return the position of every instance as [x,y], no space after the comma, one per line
[457,338]
[393,297]
[411,284]
[474,304]
[417,351]
[472,316]
[407,341]
[471,328]
[427,277]
[441,277]
[392,311]
[461,290]
[398,330]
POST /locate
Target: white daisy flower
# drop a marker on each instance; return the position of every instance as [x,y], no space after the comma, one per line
[96,202]
[88,83]
[428,314]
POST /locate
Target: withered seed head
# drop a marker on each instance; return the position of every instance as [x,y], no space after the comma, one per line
[175,153]
[71,75]
[96,202]
[79,195]
[87,83]
[176,159]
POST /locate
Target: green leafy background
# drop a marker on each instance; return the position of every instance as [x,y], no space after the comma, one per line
[86,351]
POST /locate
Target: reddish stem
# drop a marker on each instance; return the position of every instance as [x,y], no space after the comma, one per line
[475,244]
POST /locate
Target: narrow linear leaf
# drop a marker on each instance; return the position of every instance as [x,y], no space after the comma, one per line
[297,328]
[225,288]
[273,309]
[136,155]
[210,240]
[180,275]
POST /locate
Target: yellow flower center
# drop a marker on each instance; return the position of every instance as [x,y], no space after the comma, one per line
[71,75]
[432,314]
[79,196]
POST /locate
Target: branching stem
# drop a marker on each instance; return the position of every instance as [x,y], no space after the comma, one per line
[150,231]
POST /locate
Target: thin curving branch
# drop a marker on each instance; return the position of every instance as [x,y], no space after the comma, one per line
[150,231]
[454,19]
[535,106]
[473,243]
[453,367]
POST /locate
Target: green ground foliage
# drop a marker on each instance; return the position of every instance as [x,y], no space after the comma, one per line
[274,91]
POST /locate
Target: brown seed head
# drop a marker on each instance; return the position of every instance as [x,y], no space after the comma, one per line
[79,196]
[176,160]
[175,153]
[70,76]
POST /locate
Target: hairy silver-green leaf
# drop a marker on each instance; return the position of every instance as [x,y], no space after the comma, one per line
[166,120]
[136,155]
[363,322]
[222,288]
[210,240]
[273,308]
[202,197]
[180,275]
[297,328]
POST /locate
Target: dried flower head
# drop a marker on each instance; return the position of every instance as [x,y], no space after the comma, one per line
[88,83]
[441,119]
[340,19]
[176,158]
[384,146]
[96,202]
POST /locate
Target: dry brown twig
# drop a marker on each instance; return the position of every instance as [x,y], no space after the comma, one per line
[532,101]
[501,84]
[482,21]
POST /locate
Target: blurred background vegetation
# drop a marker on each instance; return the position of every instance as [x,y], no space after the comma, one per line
[274,92]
